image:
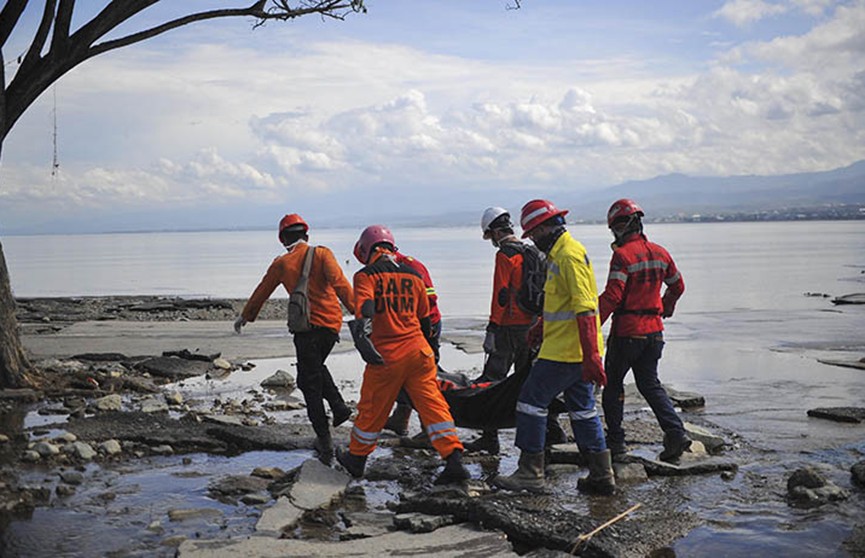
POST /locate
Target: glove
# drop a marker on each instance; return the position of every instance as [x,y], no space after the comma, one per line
[535,334]
[669,304]
[593,368]
[361,329]
[490,342]
[239,323]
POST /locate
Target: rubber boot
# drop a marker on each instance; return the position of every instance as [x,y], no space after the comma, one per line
[340,414]
[398,421]
[528,476]
[323,446]
[618,450]
[600,479]
[488,442]
[354,464]
[454,470]
[674,446]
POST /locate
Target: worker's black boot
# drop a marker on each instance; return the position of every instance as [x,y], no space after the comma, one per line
[488,442]
[323,446]
[354,464]
[398,421]
[675,444]
[528,476]
[454,470]
[600,480]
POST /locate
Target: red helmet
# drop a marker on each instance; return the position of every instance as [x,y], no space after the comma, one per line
[372,235]
[536,212]
[293,222]
[623,208]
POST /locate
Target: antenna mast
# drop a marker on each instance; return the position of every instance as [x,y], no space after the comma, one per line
[55,164]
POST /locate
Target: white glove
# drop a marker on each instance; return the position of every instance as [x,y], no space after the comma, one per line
[490,342]
[239,323]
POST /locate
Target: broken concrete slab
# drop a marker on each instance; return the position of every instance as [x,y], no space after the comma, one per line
[274,519]
[839,414]
[453,541]
[713,443]
[317,485]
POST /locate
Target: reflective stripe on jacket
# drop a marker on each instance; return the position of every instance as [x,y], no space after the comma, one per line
[328,286]
[570,290]
[638,269]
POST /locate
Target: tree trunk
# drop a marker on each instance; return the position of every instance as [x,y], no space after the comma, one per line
[13,362]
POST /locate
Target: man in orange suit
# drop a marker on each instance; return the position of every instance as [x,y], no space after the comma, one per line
[327,287]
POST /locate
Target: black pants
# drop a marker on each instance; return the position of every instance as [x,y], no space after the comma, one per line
[313,377]
[511,350]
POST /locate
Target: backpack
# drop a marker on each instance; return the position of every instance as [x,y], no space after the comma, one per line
[530,296]
[298,301]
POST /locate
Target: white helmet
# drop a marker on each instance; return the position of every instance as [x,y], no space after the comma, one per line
[490,215]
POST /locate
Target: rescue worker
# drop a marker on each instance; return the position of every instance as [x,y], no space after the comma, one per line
[505,340]
[327,287]
[399,420]
[569,361]
[390,331]
[632,296]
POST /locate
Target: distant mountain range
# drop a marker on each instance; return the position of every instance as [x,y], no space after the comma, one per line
[678,194]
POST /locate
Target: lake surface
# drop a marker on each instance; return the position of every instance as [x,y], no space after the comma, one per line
[745,336]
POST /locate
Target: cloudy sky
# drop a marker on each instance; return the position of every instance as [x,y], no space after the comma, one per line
[422,107]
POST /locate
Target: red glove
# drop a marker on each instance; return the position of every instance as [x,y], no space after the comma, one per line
[593,368]
[535,334]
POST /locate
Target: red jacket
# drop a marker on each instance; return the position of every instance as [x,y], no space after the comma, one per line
[633,292]
[434,314]
[507,279]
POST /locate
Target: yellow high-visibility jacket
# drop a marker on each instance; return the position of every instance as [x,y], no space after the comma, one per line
[570,290]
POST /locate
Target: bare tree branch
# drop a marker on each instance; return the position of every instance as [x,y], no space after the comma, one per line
[35,51]
[61,24]
[9,16]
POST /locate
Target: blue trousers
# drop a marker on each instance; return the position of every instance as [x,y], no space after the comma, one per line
[640,354]
[546,380]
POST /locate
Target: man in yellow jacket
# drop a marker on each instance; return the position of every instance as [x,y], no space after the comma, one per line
[569,361]
[327,287]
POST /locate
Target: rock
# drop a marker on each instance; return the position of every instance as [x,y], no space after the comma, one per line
[30,456]
[807,488]
[173,542]
[193,513]
[712,443]
[854,298]
[279,516]
[81,450]
[110,447]
[71,477]
[153,405]
[317,485]
[421,523]
[255,499]
[162,449]
[448,542]
[174,398]
[222,364]
[46,449]
[686,467]
[4,439]
[229,488]
[173,367]
[857,473]
[66,438]
[839,414]
[64,490]
[271,473]
[111,402]
[280,379]
[630,472]
[188,355]
[686,399]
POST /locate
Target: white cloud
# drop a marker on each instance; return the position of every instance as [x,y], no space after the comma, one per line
[744,12]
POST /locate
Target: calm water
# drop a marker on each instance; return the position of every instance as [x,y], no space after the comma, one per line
[745,336]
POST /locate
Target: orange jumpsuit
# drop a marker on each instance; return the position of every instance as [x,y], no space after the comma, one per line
[394,296]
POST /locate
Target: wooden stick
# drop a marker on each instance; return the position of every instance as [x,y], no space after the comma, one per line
[583,539]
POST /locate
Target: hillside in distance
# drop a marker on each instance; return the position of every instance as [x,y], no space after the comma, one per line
[680,195]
